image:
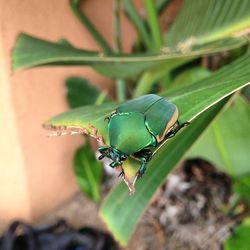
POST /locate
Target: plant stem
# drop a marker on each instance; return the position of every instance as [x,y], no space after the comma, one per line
[120,83]
[121,90]
[75,6]
[117,27]
[153,23]
[136,20]
[101,98]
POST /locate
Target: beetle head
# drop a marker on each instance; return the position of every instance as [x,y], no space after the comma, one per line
[115,155]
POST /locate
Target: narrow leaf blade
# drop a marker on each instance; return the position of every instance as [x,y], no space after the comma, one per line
[32,52]
[191,100]
[118,211]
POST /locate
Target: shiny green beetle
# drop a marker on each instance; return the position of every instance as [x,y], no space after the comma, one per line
[136,128]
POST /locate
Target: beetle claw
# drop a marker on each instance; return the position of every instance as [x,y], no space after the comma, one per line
[122,174]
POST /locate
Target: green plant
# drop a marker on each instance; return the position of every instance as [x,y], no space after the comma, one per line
[160,63]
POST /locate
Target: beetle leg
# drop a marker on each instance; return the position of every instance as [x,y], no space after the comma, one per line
[122,173]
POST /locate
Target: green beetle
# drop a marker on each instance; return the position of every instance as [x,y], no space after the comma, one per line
[136,128]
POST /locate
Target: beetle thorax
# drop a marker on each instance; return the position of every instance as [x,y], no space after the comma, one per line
[128,133]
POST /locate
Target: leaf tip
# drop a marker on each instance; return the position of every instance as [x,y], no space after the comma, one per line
[15,56]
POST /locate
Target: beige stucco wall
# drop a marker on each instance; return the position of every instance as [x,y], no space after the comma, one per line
[36,171]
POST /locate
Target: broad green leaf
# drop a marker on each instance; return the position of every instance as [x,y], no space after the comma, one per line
[81,93]
[86,118]
[120,211]
[88,172]
[227,142]
[202,21]
[191,100]
[240,239]
[31,52]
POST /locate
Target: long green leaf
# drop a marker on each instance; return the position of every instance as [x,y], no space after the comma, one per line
[120,211]
[202,21]
[31,52]
[191,100]
[153,23]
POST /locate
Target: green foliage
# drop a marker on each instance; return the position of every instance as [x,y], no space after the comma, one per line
[30,52]
[202,21]
[202,28]
[240,239]
[81,93]
[241,186]
[190,100]
[226,143]
[88,172]
[190,76]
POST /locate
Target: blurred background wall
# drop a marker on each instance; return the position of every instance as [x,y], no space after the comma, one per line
[36,171]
